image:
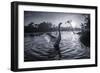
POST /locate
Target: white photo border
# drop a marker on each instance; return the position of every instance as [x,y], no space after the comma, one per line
[38,64]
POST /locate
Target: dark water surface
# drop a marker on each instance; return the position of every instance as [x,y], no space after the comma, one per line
[40,47]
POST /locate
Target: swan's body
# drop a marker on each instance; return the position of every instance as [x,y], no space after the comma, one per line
[56,45]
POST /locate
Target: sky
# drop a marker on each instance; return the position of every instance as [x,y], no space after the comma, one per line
[53,17]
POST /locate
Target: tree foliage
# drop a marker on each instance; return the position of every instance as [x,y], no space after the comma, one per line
[85,37]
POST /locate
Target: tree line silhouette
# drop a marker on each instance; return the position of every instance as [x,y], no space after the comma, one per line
[45,27]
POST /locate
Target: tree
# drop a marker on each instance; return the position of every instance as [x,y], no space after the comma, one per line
[44,26]
[29,28]
[85,37]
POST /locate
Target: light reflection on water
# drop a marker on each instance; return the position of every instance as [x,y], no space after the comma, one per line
[69,38]
[70,45]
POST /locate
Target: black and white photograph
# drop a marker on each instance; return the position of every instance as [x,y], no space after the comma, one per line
[56,36]
[52,36]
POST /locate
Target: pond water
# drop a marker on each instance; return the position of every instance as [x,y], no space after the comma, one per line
[41,47]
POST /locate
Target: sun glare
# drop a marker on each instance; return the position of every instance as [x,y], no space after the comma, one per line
[73,24]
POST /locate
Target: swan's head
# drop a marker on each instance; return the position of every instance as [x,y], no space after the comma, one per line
[60,23]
